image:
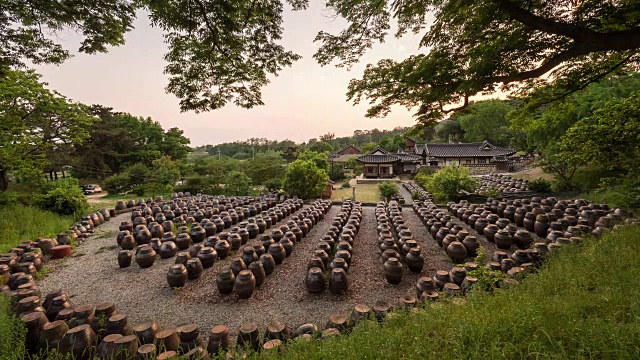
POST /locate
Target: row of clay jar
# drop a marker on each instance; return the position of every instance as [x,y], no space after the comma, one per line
[334,252]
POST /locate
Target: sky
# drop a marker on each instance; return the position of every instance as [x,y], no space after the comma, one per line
[303,102]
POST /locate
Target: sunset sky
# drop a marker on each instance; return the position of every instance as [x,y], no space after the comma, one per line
[305,101]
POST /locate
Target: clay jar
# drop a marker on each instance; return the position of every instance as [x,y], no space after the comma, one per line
[415,260]
[541,225]
[225,280]
[223,248]
[207,256]
[259,274]
[236,264]
[177,276]
[490,232]
[480,225]
[519,216]
[278,252]
[448,240]
[183,241]
[218,339]
[168,249]
[393,271]
[235,241]
[338,281]
[124,258]
[457,252]
[245,284]
[128,242]
[523,239]
[80,342]
[249,255]
[442,278]
[424,284]
[471,244]
[315,281]
[194,268]
[268,263]
[529,221]
[288,245]
[503,239]
[441,234]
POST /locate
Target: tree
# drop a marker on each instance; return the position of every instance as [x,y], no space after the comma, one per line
[487,120]
[393,143]
[368,147]
[388,190]
[545,126]
[321,160]
[33,121]
[266,168]
[320,147]
[478,46]
[611,137]
[450,129]
[225,52]
[237,183]
[327,137]
[449,182]
[305,179]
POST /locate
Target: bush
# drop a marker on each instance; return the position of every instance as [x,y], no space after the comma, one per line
[388,190]
[117,184]
[345,185]
[337,173]
[273,184]
[237,183]
[449,183]
[63,197]
[305,179]
[540,185]
[155,189]
[12,333]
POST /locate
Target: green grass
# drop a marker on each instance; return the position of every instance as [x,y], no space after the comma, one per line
[19,223]
[583,304]
[611,197]
[367,193]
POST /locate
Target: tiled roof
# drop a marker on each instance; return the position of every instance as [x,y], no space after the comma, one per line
[378,156]
[355,148]
[378,159]
[405,157]
[483,149]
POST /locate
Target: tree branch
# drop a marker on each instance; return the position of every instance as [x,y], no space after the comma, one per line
[543,24]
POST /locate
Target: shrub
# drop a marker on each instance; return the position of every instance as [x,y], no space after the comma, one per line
[345,185]
[388,190]
[117,184]
[273,184]
[63,197]
[540,185]
[336,173]
[492,192]
[305,179]
[450,182]
[138,173]
[237,183]
[155,189]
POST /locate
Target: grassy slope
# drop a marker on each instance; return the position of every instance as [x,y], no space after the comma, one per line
[584,304]
[19,223]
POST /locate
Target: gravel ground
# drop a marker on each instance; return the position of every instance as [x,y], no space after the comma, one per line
[92,276]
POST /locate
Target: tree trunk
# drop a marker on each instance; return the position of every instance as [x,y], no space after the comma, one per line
[4,181]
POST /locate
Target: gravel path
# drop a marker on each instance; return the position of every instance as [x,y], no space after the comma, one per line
[92,276]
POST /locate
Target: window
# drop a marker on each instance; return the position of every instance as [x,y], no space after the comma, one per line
[468,161]
[371,169]
[482,161]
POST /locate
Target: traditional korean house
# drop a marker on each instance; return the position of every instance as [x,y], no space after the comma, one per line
[379,163]
[466,154]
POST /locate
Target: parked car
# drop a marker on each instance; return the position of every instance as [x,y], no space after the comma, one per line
[91,189]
